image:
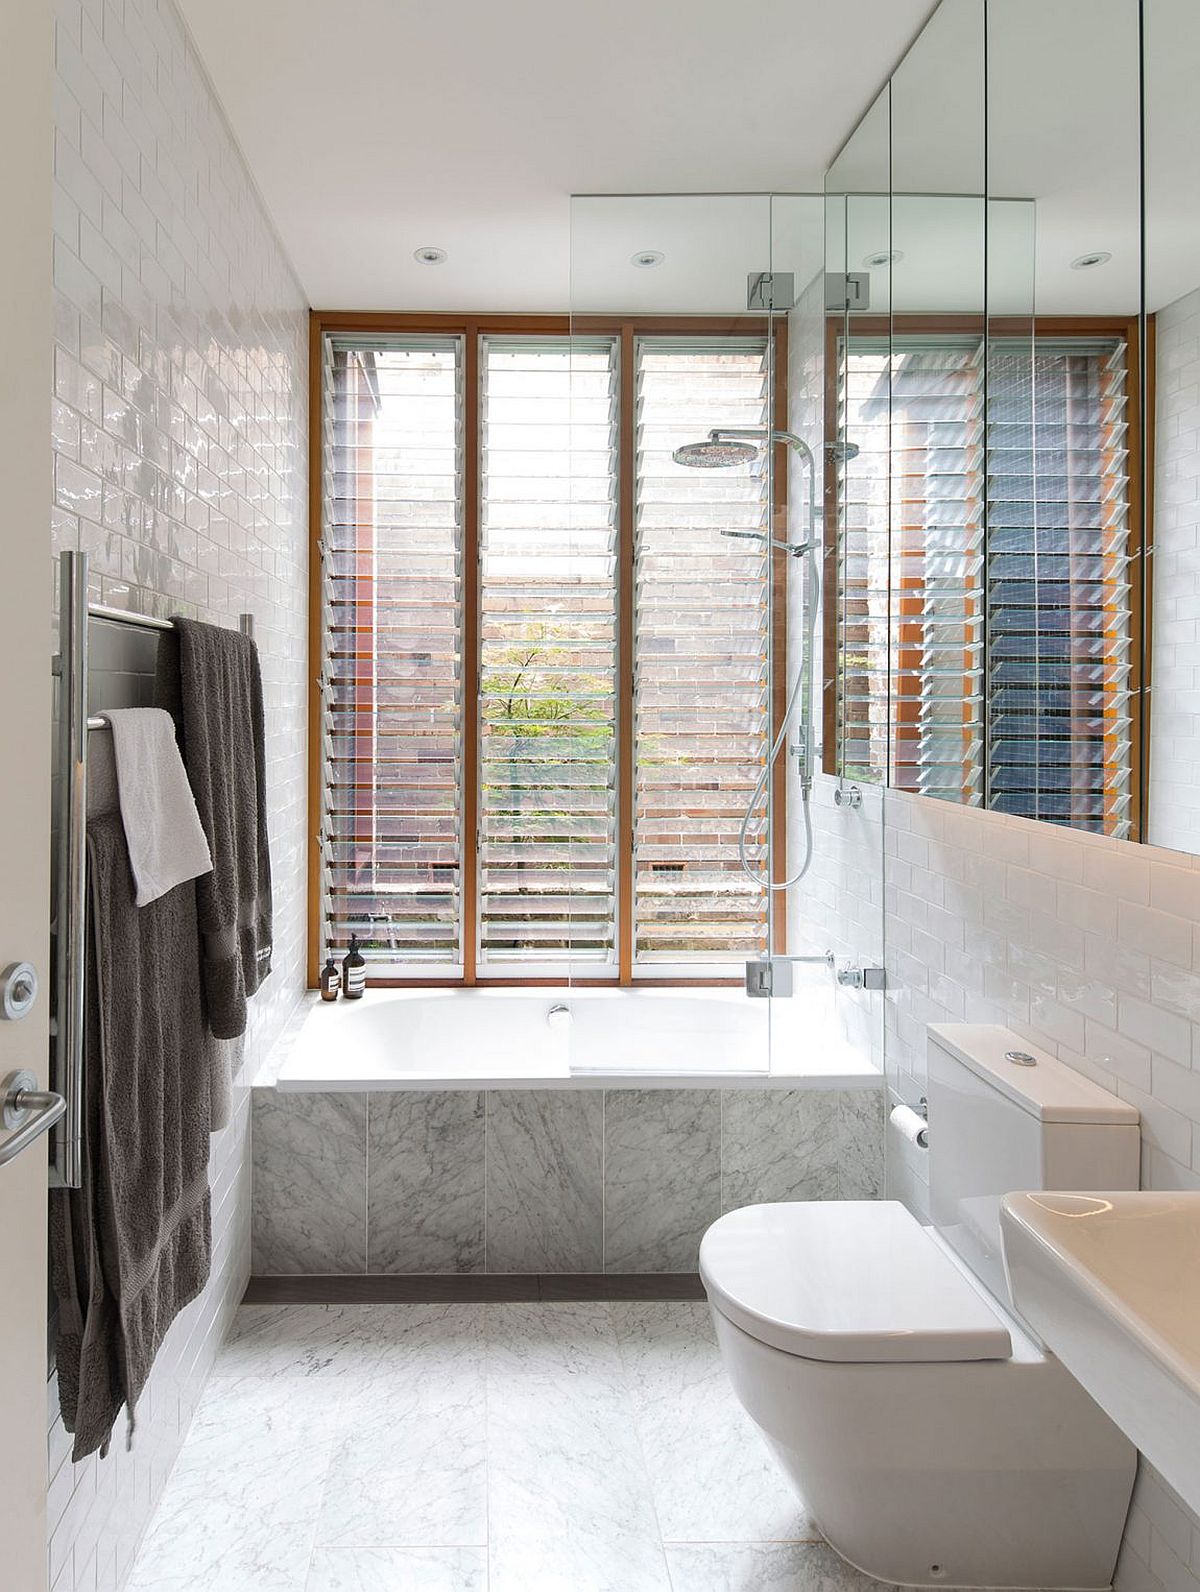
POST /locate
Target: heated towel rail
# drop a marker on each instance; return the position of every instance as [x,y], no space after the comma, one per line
[70,666]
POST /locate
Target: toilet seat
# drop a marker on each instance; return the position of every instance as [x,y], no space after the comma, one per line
[849,1281]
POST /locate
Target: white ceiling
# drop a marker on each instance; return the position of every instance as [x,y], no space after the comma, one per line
[374,127]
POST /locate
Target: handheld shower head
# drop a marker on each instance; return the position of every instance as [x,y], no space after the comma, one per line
[796,549]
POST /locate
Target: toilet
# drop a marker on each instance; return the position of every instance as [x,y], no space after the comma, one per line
[932,1437]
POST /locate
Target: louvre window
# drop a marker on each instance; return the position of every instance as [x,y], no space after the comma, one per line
[483,500]
[391,669]
[991,567]
[548,616]
[702,648]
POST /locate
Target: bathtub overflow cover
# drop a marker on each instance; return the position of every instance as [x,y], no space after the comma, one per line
[1020,1058]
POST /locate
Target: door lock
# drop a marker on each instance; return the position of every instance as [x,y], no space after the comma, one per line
[18,990]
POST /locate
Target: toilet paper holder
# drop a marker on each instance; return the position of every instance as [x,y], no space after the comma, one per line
[913,1122]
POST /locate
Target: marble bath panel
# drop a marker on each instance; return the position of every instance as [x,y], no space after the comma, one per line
[310,1182]
[425,1181]
[860,1134]
[779,1144]
[662,1176]
[544,1192]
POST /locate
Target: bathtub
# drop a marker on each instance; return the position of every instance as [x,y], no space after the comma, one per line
[565,1038]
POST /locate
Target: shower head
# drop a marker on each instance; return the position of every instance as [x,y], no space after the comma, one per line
[730,445]
[714,454]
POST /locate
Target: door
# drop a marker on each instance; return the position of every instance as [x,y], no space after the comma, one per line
[26,43]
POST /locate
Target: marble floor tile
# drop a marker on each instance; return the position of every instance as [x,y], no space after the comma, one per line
[714,1478]
[425,1183]
[572,1447]
[779,1144]
[569,1503]
[409,1466]
[662,1176]
[238,1512]
[346,1340]
[766,1567]
[398,1570]
[544,1194]
[310,1183]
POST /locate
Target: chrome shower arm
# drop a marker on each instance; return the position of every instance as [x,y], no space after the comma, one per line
[760,434]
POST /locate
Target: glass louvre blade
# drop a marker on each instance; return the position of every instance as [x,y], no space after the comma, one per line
[392,528]
[547,889]
[701,644]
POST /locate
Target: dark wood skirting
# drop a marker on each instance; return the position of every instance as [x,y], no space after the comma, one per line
[505,1289]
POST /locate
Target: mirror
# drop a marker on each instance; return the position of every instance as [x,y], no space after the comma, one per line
[1020,373]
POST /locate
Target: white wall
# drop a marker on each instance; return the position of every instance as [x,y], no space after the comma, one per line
[179,422]
[1174,811]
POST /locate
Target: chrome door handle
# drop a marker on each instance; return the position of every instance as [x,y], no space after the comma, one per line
[28,1109]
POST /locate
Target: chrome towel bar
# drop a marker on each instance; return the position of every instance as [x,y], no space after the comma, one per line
[71,668]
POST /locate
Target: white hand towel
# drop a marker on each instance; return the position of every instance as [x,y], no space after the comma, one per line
[162,827]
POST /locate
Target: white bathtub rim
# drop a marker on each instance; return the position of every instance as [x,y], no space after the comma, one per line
[291,1066]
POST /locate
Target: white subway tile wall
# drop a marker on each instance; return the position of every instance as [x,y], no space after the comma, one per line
[1090,947]
[179,427]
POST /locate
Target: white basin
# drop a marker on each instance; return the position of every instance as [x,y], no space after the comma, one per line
[1111,1283]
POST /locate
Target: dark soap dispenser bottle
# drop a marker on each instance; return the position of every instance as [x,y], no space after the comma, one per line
[354,972]
[331,980]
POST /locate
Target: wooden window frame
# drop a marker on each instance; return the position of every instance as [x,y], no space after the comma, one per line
[1140,475]
[624,330]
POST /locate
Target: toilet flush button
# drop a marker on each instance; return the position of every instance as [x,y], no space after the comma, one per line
[1020,1058]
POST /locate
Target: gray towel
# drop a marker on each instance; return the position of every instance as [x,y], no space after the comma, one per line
[208,680]
[132,1246]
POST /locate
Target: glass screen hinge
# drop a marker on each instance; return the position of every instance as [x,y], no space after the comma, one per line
[771,976]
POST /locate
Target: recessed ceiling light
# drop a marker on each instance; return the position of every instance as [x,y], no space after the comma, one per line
[427,255]
[647,258]
[883,257]
[1085,262]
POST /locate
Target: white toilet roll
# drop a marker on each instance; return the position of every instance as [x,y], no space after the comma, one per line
[912,1125]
